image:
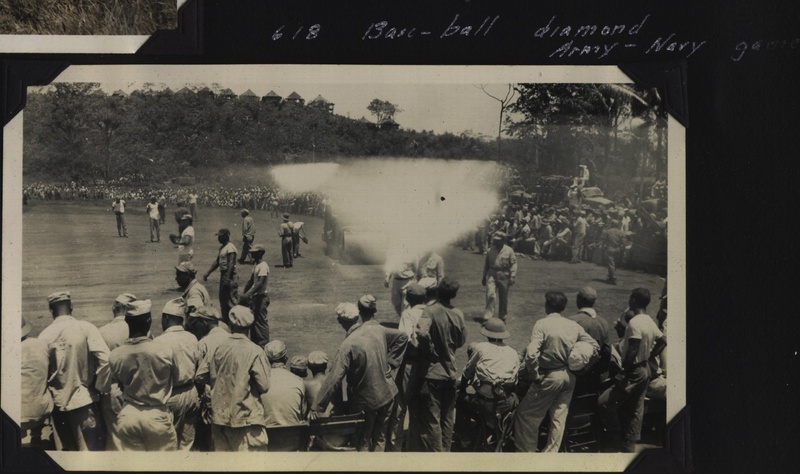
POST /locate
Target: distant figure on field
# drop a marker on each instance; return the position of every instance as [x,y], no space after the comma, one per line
[118,206]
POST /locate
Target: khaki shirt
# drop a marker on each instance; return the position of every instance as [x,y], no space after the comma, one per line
[115,333]
[196,296]
[552,340]
[248,227]
[491,363]
[78,356]
[500,261]
[238,373]
[285,402]
[432,267]
[145,370]
[186,350]
[37,402]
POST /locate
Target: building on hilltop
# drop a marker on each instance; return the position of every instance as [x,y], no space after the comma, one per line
[249,95]
[389,124]
[322,103]
[272,99]
[294,99]
[119,93]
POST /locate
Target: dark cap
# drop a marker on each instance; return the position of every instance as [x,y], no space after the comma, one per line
[224,232]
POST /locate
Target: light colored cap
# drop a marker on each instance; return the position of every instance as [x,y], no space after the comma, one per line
[186,267]
[186,217]
[588,293]
[176,307]
[257,248]
[241,316]
[428,283]
[207,312]
[138,308]
[276,350]
[347,311]
[125,298]
[299,362]
[368,302]
[245,211]
[495,328]
[317,358]
[416,289]
[59,296]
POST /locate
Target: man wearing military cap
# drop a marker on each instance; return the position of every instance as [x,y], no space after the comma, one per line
[184,402]
[298,365]
[317,364]
[115,333]
[285,403]
[204,323]
[248,235]
[77,348]
[238,374]
[286,232]
[228,280]
[364,359]
[367,307]
[37,402]
[499,274]
[255,295]
[194,293]
[146,371]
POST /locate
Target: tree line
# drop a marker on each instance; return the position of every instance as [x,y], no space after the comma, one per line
[79,131]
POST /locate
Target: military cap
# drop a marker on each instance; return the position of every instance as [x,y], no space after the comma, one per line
[499,236]
[317,358]
[347,311]
[186,217]
[245,211]
[495,328]
[299,362]
[207,312]
[368,302]
[416,289]
[588,293]
[257,248]
[449,285]
[286,216]
[59,296]
[241,316]
[276,350]
[125,298]
[26,327]
[186,267]
[138,308]
[428,283]
[176,307]
[224,232]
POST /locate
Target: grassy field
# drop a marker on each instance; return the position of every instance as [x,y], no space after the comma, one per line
[87,17]
[74,246]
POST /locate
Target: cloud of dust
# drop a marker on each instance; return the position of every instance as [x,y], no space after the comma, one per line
[401,208]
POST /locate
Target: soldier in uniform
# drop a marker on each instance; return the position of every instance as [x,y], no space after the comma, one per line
[37,402]
[194,293]
[118,206]
[145,370]
[81,355]
[184,402]
[401,270]
[229,280]
[255,294]
[298,234]
[239,374]
[613,241]
[155,225]
[499,274]
[286,233]
[285,402]
[248,234]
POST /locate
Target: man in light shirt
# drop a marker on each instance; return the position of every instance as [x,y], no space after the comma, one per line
[228,279]
[118,206]
[255,294]
[193,204]
[155,225]
[80,356]
[285,402]
[401,269]
[37,402]
[499,275]
[185,241]
[248,235]
[298,234]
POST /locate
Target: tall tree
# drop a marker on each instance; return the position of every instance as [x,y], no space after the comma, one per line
[505,101]
[383,110]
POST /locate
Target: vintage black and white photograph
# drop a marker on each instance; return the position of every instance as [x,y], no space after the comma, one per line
[326,259]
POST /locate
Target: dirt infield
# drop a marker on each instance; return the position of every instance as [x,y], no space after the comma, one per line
[74,246]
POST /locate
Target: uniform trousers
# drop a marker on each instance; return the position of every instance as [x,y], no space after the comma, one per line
[122,227]
[497,285]
[577,247]
[143,428]
[193,211]
[437,414]
[407,385]
[295,245]
[398,296]
[372,437]
[184,404]
[286,251]
[228,295]
[81,429]
[246,242]
[552,394]
[259,333]
[155,230]
[110,406]
[244,438]
[622,406]
[611,263]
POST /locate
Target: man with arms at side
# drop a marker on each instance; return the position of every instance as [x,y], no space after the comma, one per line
[155,226]
[248,235]
[194,293]
[239,374]
[37,402]
[145,370]
[285,402]
[118,206]
[255,294]
[547,362]
[228,279]
[78,357]
[499,275]
[185,241]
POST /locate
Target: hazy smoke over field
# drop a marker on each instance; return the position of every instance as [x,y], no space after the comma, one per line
[401,206]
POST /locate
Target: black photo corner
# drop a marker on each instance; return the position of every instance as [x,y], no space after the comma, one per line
[726,70]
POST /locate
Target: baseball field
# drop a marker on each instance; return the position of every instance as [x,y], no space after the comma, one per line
[74,246]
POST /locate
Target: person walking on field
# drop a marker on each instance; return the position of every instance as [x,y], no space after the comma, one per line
[118,206]
[185,241]
[298,234]
[145,370]
[499,275]
[286,232]
[255,294]
[613,240]
[193,204]
[228,280]
[155,226]
[248,235]
[79,352]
